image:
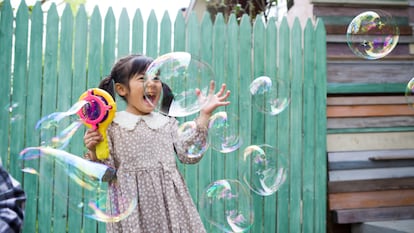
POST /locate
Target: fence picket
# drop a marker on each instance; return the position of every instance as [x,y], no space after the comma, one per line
[283,126]
[152,36]
[165,34]
[308,187]
[271,69]
[320,130]
[49,102]
[6,38]
[34,82]
[124,34]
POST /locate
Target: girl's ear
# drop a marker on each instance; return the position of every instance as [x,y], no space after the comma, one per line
[121,89]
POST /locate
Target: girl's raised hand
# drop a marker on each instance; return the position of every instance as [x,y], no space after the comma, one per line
[214,100]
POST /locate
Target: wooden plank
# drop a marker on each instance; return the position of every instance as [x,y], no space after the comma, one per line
[365,100]
[296,119]
[355,10]
[245,77]
[270,202]
[108,50]
[358,71]
[152,36]
[6,42]
[283,124]
[370,122]
[342,29]
[258,120]
[49,91]
[76,217]
[370,185]
[370,141]
[372,173]
[165,34]
[373,199]
[361,3]
[374,214]
[309,147]
[137,33]
[34,82]
[370,164]
[206,50]
[359,156]
[369,110]
[65,102]
[320,127]
[364,88]
[123,34]
[193,47]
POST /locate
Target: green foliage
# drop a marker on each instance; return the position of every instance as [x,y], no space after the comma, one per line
[240,7]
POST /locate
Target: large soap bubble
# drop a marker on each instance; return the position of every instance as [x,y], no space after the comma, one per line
[264,169]
[372,34]
[227,205]
[267,96]
[181,74]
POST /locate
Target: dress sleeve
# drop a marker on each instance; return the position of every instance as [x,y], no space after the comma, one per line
[190,147]
[12,200]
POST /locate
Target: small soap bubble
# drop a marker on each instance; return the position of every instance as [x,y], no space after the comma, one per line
[267,95]
[372,34]
[187,132]
[227,205]
[409,93]
[223,132]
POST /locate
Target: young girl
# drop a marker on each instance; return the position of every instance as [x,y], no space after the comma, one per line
[142,146]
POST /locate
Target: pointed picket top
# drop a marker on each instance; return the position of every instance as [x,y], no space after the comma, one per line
[206,20]
[96,14]
[67,12]
[232,20]
[179,19]
[219,19]
[22,9]
[152,17]
[245,22]
[138,16]
[258,23]
[109,15]
[165,34]
[309,25]
[81,14]
[124,15]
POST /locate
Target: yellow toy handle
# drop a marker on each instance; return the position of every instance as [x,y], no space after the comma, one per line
[98,113]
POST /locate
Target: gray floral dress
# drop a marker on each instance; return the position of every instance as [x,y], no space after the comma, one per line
[142,150]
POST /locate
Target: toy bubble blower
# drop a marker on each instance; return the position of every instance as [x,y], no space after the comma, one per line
[98,113]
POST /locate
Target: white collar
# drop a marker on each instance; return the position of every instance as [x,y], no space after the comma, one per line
[128,120]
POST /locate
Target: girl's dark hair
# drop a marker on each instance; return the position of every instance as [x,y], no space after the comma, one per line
[123,70]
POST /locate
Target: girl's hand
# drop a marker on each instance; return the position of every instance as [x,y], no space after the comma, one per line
[214,100]
[91,139]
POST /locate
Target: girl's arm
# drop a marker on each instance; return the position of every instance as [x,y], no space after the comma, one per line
[198,140]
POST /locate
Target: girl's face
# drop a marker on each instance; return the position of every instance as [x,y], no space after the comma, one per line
[137,102]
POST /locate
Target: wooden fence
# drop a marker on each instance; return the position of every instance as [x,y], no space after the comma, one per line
[48,60]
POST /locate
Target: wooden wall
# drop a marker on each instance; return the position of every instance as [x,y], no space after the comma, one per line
[367,111]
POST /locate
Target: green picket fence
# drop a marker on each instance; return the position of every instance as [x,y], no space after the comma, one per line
[48,60]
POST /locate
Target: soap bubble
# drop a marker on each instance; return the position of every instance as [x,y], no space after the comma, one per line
[187,132]
[227,205]
[372,34]
[267,96]
[182,74]
[261,171]
[223,132]
[409,93]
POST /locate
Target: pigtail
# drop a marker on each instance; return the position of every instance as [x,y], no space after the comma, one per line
[107,84]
